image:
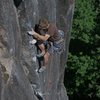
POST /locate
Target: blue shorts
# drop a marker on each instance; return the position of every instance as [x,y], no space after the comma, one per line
[56,47]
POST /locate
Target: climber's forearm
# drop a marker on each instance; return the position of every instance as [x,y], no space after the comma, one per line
[36,37]
[40,37]
[43,38]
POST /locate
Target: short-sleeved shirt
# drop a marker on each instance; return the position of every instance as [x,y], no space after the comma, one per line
[53,32]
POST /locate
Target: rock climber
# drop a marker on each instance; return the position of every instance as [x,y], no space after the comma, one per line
[50,35]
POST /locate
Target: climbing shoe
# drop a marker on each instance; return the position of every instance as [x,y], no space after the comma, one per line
[43,68]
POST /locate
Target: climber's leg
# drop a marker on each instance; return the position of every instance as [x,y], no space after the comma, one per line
[46,60]
[42,48]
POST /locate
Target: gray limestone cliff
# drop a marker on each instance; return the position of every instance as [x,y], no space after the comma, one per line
[18,77]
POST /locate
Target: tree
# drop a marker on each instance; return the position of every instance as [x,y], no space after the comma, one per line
[82,74]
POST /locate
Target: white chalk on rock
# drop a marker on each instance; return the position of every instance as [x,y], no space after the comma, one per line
[34,58]
[31,32]
[33,41]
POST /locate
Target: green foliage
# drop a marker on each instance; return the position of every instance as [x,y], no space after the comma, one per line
[83,22]
[85,76]
[82,75]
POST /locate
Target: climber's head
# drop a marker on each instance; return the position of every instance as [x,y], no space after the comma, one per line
[43,24]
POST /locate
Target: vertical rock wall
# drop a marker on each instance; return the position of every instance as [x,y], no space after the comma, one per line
[18,77]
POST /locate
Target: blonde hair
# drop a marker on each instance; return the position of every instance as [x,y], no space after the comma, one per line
[43,23]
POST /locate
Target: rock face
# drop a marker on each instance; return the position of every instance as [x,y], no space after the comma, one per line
[18,77]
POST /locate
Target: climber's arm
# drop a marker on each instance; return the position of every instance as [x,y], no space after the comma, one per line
[38,36]
[41,37]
